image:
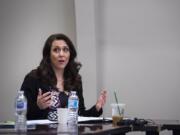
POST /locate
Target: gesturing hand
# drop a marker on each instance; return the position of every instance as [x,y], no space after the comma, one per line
[43,100]
[101,100]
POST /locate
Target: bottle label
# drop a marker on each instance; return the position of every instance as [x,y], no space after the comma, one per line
[21,105]
[73,103]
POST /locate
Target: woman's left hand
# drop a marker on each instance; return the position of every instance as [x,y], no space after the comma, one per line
[101,100]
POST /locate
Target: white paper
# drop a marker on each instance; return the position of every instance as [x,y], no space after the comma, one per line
[81,119]
[40,122]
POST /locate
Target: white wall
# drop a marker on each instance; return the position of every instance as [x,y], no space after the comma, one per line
[136,53]
[24,27]
[138,42]
[86,47]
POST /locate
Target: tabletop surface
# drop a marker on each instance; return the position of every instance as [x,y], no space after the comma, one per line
[93,128]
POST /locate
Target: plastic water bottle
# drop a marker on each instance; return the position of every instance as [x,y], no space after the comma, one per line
[73,105]
[20,112]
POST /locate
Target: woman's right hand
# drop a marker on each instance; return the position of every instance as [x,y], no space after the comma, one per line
[43,100]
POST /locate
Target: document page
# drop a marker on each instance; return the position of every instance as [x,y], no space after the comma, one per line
[40,122]
[80,118]
[93,119]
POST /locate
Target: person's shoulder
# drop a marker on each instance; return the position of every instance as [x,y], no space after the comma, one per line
[30,81]
[32,75]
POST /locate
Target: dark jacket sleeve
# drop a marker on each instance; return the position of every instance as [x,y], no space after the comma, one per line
[30,87]
[92,112]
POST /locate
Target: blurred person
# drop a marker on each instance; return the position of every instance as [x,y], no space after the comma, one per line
[57,73]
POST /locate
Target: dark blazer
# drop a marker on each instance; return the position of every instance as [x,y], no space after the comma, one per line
[30,87]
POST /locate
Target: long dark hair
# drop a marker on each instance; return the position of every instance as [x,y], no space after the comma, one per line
[46,73]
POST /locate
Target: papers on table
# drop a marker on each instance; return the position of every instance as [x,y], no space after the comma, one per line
[82,119]
[7,124]
[46,121]
[93,120]
[40,122]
